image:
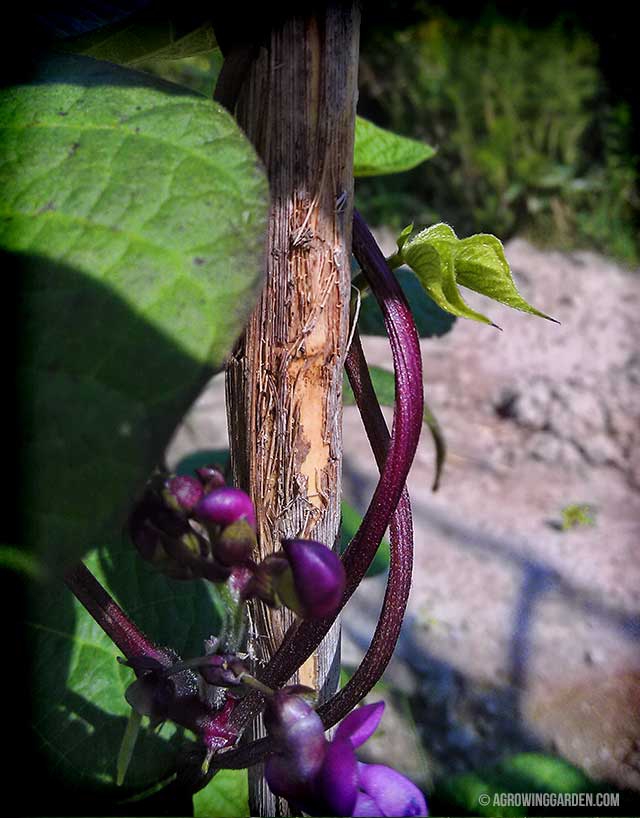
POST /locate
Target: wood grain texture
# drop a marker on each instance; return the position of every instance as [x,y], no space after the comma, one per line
[284,381]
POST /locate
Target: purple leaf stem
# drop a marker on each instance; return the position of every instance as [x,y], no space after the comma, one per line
[187,709]
[110,616]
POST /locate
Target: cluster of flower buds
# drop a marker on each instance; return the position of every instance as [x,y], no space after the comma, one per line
[161,526]
[321,777]
[160,688]
[185,692]
[198,527]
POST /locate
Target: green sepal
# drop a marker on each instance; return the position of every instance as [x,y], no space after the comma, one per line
[395,260]
[128,745]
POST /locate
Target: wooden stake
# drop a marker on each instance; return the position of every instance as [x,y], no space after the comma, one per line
[284,382]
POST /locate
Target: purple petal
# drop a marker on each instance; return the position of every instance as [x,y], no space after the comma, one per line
[360,724]
[365,806]
[393,793]
[337,782]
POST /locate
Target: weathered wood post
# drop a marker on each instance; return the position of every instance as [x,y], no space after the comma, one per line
[284,382]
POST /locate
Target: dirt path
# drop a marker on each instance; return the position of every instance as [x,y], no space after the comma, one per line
[520,635]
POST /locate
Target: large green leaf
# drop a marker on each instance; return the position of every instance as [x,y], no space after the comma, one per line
[442,261]
[378,151]
[135,212]
[132,32]
[225,796]
[137,41]
[385,388]
[484,792]
[79,713]
[430,319]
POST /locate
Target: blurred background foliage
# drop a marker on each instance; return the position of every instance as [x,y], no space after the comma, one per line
[531,116]
[531,137]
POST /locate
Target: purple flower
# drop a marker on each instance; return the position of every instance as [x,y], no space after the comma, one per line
[325,778]
[224,506]
[164,537]
[299,735]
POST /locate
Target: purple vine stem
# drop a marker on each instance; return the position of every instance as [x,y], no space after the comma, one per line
[110,616]
[301,640]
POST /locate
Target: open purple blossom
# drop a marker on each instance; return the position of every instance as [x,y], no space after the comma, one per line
[321,777]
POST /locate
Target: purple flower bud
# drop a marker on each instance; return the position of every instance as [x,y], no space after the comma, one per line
[151,526]
[190,558]
[224,506]
[236,543]
[211,477]
[214,571]
[314,585]
[164,537]
[299,736]
[183,493]
[221,670]
[392,793]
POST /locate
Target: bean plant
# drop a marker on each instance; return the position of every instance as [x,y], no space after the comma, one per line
[136,213]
